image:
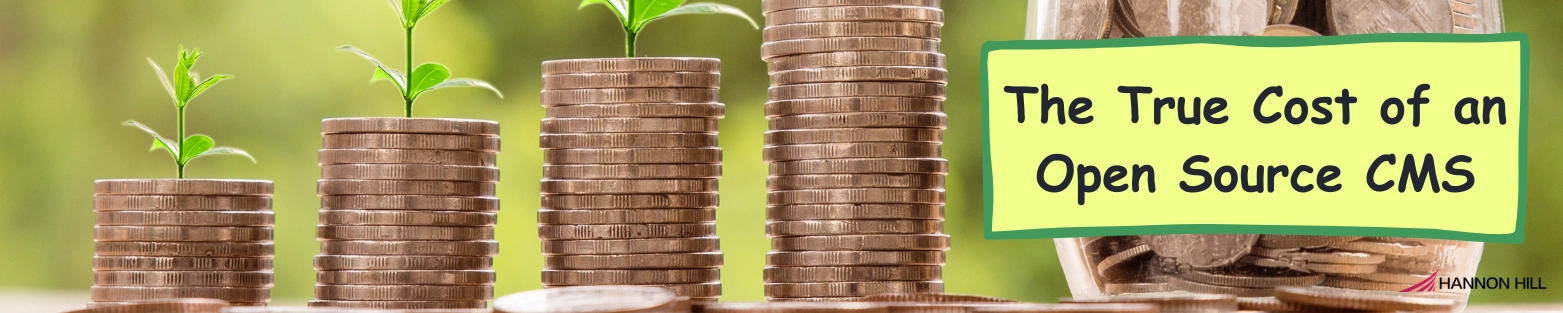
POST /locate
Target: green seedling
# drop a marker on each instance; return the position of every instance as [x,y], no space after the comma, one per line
[426,77]
[635,14]
[186,85]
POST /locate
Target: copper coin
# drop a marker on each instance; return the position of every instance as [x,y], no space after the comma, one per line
[180,203]
[632,80]
[1398,278]
[1202,251]
[630,246]
[1179,284]
[183,278]
[698,155]
[629,125]
[851,29]
[860,166]
[185,218]
[852,227]
[376,247]
[933,297]
[913,181]
[852,135]
[137,263]
[631,140]
[1294,241]
[1119,288]
[614,201]
[338,187]
[1300,265]
[624,231]
[413,202]
[1351,17]
[1109,264]
[781,5]
[660,216]
[853,105]
[1345,299]
[634,261]
[860,73]
[631,171]
[629,277]
[403,292]
[127,293]
[854,212]
[182,187]
[832,306]
[1282,11]
[1332,257]
[410,218]
[694,291]
[403,156]
[411,172]
[1288,31]
[931,59]
[552,98]
[582,299]
[180,233]
[182,305]
[632,110]
[858,89]
[207,249]
[401,262]
[1070,308]
[774,49]
[1358,284]
[1168,301]
[608,186]
[352,232]
[820,300]
[856,14]
[1071,20]
[411,141]
[618,65]
[409,126]
[856,196]
[854,258]
[1160,18]
[861,120]
[1252,277]
[850,289]
[421,305]
[852,150]
[1399,248]
[851,273]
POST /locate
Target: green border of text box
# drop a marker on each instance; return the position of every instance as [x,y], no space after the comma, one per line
[1517,236]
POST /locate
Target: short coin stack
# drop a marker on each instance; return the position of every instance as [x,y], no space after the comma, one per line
[168,238]
[856,192]
[631,162]
[407,213]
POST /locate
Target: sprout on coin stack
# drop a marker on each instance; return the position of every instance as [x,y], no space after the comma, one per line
[856,192]
[183,238]
[407,206]
[631,162]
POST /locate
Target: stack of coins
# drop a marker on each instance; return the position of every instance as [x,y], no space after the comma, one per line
[856,192]
[407,213]
[166,238]
[630,172]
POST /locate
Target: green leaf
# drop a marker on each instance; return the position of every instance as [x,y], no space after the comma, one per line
[619,8]
[464,82]
[207,84]
[647,10]
[226,151]
[157,140]
[183,83]
[410,10]
[430,7]
[162,76]
[428,75]
[194,146]
[382,72]
[396,7]
[704,8]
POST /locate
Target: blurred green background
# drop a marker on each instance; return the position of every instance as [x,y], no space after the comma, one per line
[71,71]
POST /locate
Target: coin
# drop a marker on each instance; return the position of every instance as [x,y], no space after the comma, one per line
[625,231]
[854,258]
[185,218]
[394,305]
[1300,265]
[1467,19]
[858,120]
[606,299]
[401,262]
[1075,20]
[852,105]
[1168,301]
[860,74]
[411,172]
[1358,284]
[373,247]
[852,227]
[1351,17]
[852,150]
[854,196]
[1282,11]
[631,171]
[797,307]
[933,297]
[628,140]
[183,278]
[409,218]
[409,126]
[1118,288]
[1288,31]
[630,246]
[858,89]
[551,98]
[1359,300]
[405,187]
[659,216]
[854,212]
[615,201]
[897,242]
[708,291]
[180,203]
[1332,257]
[402,292]
[127,293]
[180,233]
[629,125]
[819,300]
[629,277]
[208,249]
[1400,248]
[931,59]
[607,186]
[859,166]
[411,141]
[639,110]
[1160,18]
[774,49]
[1111,262]
[1270,304]
[1202,251]
[355,232]
[182,305]
[1293,242]
[632,80]
[184,187]
[409,202]
[851,29]
[1398,278]
[779,5]
[1071,307]
[698,155]
[1180,284]
[617,65]
[403,156]
[1252,277]
[850,289]
[856,14]
[634,261]
[851,273]
[852,135]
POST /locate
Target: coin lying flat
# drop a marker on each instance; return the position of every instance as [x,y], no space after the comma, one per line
[933,297]
[423,277]
[1358,284]
[633,110]
[402,292]
[861,120]
[1304,266]
[401,262]
[181,305]
[411,141]
[169,249]
[1332,257]
[851,29]
[852,105]
[859,166]
[852,150]
[407,218]
[405,187]
[629,125]
[850,289]
[852,227]
[387,232]
[781,5]
[1121,288]
[854,212]
[854,258]
[205,187]
[1351,17]
[851,273]
[912,181]
[408,126]
[551,98]
[854,196]
[404,156]
[103,203]
[410,172]
[634,261]
[1252,277]
[797,307]
[632,171]
[1072,307]
[588,299]
[896,242]
[856,14]
[460,304]
[409,202]
[1400,248]
[184,278]
[234,294]
[1288,31]
[931,59]
[630,246]
[618,201]
[834,44]
[180,233]
[1294,242]
[858,89]
[1195,287]
[625,231]
[621,65]
[376,247]
[859,73]
[1345,299]
[185,218]
[853,135]
[611,186]
[628,140]
[659,216]
[1175,301]
[629,277]
[695,155]
[632,80]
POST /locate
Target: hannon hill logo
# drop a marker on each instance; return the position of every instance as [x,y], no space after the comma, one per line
[1425,285]
[1435,283]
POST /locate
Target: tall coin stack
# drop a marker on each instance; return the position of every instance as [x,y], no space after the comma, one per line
[407,213]
[856,192]
[168,238]
[630,174]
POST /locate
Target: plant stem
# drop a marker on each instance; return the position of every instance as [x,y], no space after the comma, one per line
[407,94]
[629,43]
[181,142]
